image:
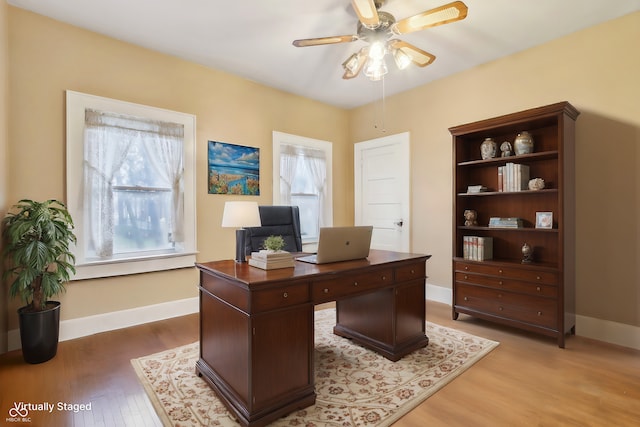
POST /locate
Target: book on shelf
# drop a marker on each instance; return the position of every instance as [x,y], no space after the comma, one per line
[513,177]
[505,222]
[476,189]
[475,248]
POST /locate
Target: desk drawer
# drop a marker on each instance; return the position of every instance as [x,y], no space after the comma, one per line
[410,272]
[523,308]
[285,296]
[342,286]
[226,290]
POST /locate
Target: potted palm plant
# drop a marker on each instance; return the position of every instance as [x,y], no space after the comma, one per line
[36,250]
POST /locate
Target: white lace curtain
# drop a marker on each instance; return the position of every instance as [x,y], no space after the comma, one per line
[288,165]
[107,140]
[315,161]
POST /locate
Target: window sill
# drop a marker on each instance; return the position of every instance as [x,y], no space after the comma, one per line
[136,266]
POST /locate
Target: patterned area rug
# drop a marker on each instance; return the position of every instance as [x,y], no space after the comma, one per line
[354,386]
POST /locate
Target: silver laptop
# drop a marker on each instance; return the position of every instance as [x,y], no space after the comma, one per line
[341,244]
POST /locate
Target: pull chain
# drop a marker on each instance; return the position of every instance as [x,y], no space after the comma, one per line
[384,130]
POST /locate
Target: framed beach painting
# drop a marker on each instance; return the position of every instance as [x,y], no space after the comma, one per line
[233,169]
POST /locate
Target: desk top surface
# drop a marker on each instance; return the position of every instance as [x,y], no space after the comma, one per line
[247,274]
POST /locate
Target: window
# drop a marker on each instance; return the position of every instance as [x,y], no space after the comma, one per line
[130,186]
[302,174]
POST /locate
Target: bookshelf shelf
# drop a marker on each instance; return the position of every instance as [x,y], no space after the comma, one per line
[509,229]
[537,296]
[508,193]
[499,161]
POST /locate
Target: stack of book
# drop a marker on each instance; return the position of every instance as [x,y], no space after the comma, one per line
[505,222]
[513,177]
[477,248]
[476,189]
[270,260]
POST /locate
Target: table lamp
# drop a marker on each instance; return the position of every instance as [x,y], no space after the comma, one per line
[239,215]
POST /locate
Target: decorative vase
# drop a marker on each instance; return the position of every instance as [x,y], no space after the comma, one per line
[523,143]
[488,149]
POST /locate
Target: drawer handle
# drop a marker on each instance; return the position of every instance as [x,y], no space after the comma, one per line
[500,308]
[538,277]
[500,271]
[413,271]
[466,277]
[286,295]
[499,295]
[539,313]
[500,283]
[326,290]
[384,277]
[466,298]
[355,283]
[538,289]
[466,267]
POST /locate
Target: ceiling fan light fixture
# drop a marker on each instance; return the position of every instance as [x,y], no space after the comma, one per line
[375,69]
[402,59]
[351,64]
[377,28]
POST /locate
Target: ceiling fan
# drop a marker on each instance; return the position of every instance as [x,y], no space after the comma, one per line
[378,29]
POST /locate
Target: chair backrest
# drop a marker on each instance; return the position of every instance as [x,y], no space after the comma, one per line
[276,221]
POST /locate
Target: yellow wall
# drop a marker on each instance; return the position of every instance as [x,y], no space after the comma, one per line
[48,57]
[597,71]
[4,147]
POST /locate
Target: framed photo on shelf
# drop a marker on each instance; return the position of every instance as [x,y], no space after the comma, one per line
[544,219]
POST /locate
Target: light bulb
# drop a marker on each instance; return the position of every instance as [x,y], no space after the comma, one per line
[377,50]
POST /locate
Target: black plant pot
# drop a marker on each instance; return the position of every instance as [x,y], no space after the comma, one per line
[39,332]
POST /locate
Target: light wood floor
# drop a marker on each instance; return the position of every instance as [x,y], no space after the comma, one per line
[526,381]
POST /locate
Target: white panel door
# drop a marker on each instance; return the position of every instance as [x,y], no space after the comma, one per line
[382,190]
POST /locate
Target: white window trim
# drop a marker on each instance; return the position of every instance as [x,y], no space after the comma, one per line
[76,104]
[279,139]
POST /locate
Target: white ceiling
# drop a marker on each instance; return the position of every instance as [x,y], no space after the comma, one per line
[252,38]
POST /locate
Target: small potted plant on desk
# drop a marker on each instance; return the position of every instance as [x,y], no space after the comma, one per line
[36,239]
[274,243]
[272,256]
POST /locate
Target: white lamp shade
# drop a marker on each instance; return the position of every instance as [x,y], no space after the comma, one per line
[241,214]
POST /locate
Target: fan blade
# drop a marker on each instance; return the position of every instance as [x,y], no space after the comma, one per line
[360,58]
[451,12]
[324,40]
[367,12]
[418,56]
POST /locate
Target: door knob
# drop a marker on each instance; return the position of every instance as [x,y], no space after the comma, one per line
[399,223]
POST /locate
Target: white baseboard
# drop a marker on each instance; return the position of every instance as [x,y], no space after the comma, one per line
[439,294]
[588,327]
[608,331]
[84,326]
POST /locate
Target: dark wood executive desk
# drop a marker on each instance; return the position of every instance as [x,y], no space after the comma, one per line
[257,326]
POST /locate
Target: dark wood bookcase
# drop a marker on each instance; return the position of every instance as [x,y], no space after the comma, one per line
[538,296]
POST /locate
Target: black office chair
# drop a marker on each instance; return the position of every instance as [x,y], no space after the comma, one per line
[276,221]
